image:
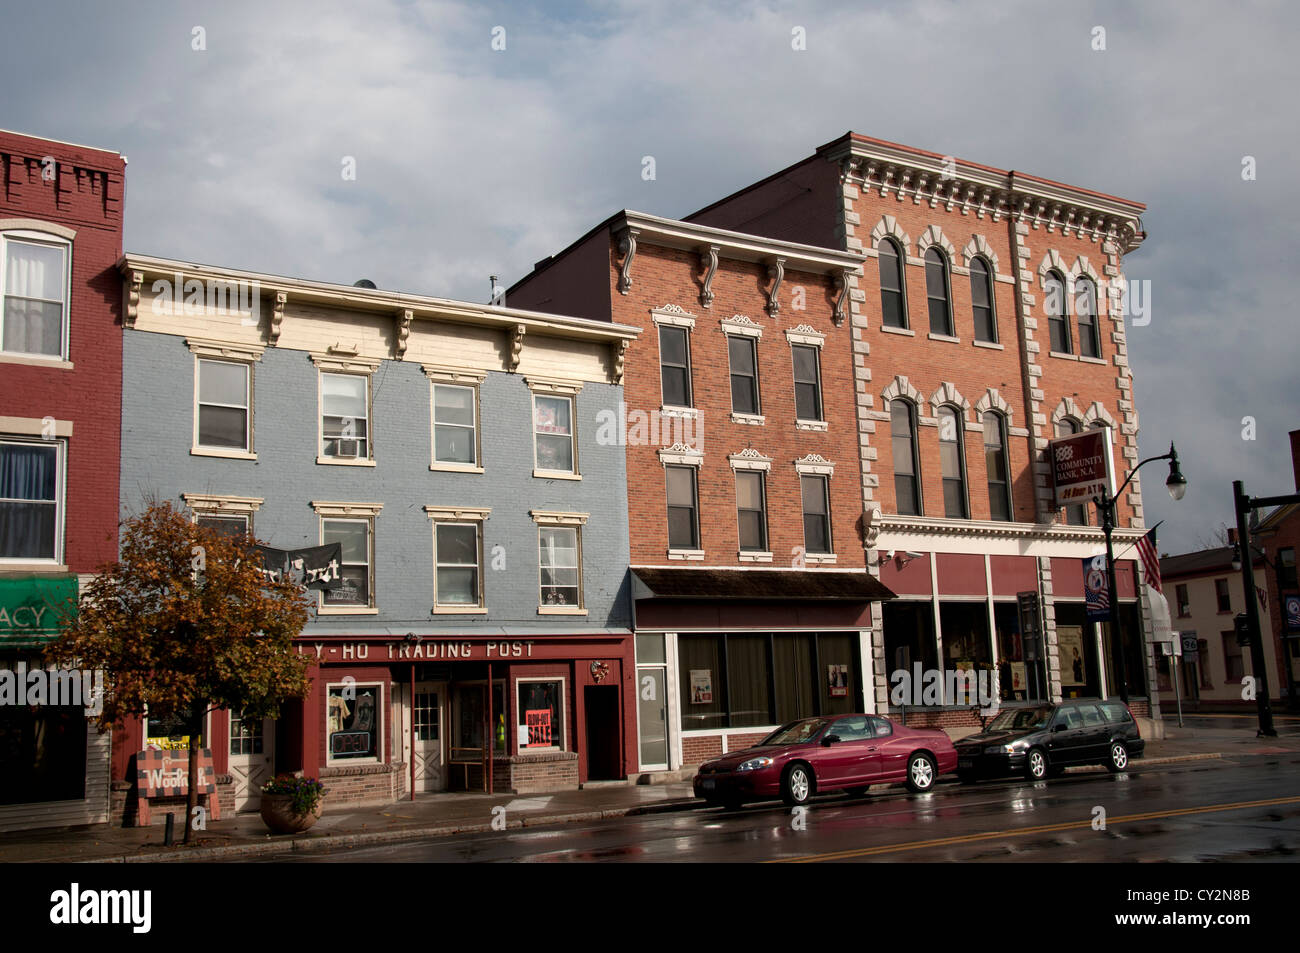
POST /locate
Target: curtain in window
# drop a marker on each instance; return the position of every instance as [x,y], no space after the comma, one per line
[33,305]
[748,683]
[28,507]
[701,680]
[793,662]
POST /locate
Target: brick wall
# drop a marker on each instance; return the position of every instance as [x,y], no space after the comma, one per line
[701,748]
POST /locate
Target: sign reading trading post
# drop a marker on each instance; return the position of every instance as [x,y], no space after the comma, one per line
[1081,466]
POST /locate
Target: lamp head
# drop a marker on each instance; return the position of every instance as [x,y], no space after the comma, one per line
[1177,483]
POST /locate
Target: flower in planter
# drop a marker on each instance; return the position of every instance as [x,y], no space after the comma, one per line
[304,793]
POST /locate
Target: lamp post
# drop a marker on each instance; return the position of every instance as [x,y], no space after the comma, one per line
[1177,486]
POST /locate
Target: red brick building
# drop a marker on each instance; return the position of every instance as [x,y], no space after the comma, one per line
[752,600]
[60,420]
[1279,537]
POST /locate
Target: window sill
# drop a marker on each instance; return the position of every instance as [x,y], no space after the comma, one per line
[343,462]
[455,468]
[35,360]
[943,337]
[227,454]
[890,329]
[560,610]
[990,345]
[19,566]
[754,557]
[819,559]
[1092,360]
[756,420]
[688,554]
[556,475]
[347,610]
[1064,357]
[818,425]
[668,410]
[458,610]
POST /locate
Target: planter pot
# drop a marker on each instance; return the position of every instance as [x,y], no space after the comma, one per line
[277,812]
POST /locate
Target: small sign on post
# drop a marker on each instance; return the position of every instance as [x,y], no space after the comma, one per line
[166,774]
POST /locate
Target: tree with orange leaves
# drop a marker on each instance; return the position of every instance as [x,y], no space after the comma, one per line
[185,623]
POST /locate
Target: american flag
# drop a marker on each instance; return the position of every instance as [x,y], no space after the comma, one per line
[1146,547]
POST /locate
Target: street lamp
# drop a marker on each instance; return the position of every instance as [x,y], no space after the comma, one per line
[1177,487]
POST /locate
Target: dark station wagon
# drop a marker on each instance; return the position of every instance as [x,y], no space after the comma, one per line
[1042,741]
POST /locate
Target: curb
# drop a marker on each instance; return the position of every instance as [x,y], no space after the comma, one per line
[377,838]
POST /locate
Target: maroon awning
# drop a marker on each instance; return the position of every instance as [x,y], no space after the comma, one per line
[758,584]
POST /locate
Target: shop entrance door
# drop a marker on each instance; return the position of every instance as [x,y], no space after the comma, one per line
[427,720]
[252,754]
[603,742]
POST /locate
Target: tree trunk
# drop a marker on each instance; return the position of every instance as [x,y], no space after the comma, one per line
[192,800]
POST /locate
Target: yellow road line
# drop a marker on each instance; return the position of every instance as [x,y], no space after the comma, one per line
[1021,831]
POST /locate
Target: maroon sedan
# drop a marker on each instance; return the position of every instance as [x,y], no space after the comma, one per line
[816,755]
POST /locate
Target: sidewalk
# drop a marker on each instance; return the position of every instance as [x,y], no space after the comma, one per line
[436,815]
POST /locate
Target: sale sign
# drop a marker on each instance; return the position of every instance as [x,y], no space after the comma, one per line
[1081,466]
[538,723]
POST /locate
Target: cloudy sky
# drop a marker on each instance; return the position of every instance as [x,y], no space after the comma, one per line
[472,161]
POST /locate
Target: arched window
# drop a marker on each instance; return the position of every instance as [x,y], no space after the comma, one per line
[893,305]
[1076,515]
[907,466]
[1085,310]
[953,463]
[936,292]
[999,469]
[1058,313]
[981,297]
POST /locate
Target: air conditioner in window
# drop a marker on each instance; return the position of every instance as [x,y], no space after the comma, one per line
[348,448]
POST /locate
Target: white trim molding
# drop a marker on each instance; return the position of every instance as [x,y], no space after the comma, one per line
[948,394]
[553,385]
[805,334]
[463,514]
[888,227]
[742,326]
[556,517]
[814,464]
[992,400]
[673,315]
[900,386]
[934,235]
[681,455]
[750,459]
[203,347]
[216,503]
[342,510]
[979,245]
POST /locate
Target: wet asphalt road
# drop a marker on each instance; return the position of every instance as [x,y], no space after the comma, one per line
[1242,809]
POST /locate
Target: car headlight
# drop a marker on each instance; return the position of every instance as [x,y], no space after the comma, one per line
[753,764]
[1011,748]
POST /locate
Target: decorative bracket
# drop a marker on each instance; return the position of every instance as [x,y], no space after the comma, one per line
[404,319]
[775,271]
[711,266]
[620,359]
[516,346]
[277,317]
[841,299]
[627,248]
[132,299]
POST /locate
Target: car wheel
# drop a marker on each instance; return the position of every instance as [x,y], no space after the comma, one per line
[921,772]
[1118,756]
[1036,764]
[796,785]
[967,777]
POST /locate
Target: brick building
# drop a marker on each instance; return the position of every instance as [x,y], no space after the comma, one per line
[983,318]
[1279,538]
[752,600]
[453,451]
[60,400]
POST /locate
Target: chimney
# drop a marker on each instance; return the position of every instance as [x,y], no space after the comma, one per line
[1295,457]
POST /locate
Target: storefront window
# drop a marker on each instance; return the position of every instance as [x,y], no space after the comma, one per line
[747,680]
[792,656]
[1019,679]
[966,648]
[171,733]
[700,665]
[42,753]
[1077,646]
[541,715]
[352,719]
[909,635]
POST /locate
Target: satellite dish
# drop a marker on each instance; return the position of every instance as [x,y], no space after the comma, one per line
[364,283]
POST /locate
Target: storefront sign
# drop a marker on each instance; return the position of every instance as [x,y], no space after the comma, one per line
[1291,604]
[313,568]
[426,649]
[538,723]
[1081,466]
[164,774]
[1096,589]
[32,607]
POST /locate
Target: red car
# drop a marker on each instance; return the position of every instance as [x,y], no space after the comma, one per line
[816,755]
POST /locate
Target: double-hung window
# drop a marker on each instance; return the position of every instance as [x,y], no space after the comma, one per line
[907,464]
[742,353]
[225,396]
[893,305]
[1085,311]
[751,511]
[345,417]
[1058,313]
[31,500]
[816,515]
[232,515]
[457,559]
[981,296]
[34,293]
[559,538]
[807,382]
[683,508]
[455,415]
[554,428]
[952,461]
[352,526]
[937,293]
[995,459]
[675,366]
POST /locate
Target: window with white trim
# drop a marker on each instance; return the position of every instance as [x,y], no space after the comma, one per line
[893,305]
[1085,312]
[455,424]
[751,511]
[222,405]
[32,476]
[683,508]
[675,366]
[807,382]
[742,354]
[981,296]
[937,292]
[34,283]
[457,559]
[1057,309]
[816,514]
[540,720]
[232,515]
[345,416]
[355,538]
[555,445]
[559,537]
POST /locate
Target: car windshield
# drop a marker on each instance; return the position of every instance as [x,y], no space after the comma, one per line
[796,732]
[1021,719]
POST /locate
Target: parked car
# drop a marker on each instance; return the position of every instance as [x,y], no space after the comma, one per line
[815,755]
[1041,741]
